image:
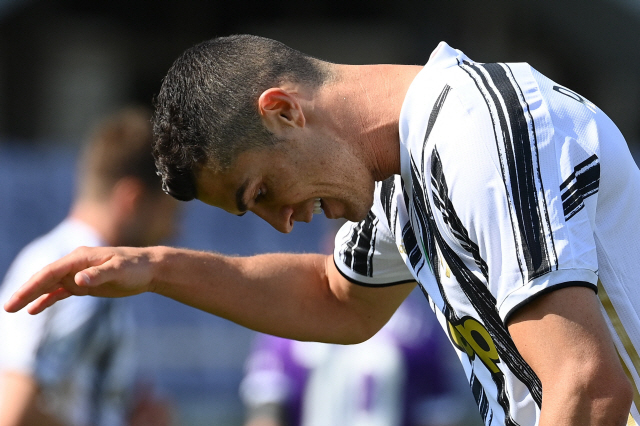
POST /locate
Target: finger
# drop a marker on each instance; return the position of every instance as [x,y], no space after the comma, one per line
[50,277]
[43,282]
[45,301]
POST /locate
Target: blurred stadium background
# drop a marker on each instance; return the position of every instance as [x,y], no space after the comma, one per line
[63,64]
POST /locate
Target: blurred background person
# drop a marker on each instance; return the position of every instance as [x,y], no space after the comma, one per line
[75,366]
[400,377]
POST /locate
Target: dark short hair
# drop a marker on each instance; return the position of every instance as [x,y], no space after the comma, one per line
[119,146]
[207,107]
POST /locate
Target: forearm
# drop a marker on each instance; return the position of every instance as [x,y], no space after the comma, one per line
[298,296]
[288,295]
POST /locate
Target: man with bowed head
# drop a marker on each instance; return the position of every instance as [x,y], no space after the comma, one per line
[75,364]
[508,198]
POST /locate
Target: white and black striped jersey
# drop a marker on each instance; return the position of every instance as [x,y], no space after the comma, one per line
[511,186]
[80,352]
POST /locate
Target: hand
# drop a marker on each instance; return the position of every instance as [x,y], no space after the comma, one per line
[94,271]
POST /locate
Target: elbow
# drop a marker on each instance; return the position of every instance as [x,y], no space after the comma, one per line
[592,395]
[609,399]
[360,330]
[366,333]
[617,399]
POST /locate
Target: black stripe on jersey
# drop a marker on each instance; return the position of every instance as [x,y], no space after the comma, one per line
[448,311]
[480,396]
[411,246]
[581,184]
[523,172]
[422,212]
[409,237]
[419,198]
[358,254]
[443,203]
[387,193]
[432,258]
[544,211]
[476,291]
[485,305]
[480,81]
[437,106]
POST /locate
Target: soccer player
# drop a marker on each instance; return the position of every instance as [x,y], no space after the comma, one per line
[510,199]
[75,365]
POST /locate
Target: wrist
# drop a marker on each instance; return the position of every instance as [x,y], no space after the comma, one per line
[158,258]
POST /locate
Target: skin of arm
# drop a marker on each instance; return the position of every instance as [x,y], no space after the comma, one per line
[298,296]
[564,338]
[18,402]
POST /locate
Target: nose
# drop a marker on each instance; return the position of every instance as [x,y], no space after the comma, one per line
[280,218]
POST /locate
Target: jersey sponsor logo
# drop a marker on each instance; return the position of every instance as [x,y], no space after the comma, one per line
[471,337]
[573,95]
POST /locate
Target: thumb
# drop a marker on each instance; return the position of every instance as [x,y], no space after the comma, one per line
[82,279]
[93,276]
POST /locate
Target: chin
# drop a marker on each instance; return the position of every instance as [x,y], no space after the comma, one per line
[358,213]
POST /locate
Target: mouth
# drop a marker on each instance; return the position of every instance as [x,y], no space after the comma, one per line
[317,206]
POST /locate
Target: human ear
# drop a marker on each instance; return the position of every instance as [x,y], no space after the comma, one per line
[280,109]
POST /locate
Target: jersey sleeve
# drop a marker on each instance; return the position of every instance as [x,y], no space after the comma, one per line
[366,252]
[555,243]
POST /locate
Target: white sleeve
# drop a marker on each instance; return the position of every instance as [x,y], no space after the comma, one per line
[366,253]
[20,332]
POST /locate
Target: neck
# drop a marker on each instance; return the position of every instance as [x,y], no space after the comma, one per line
[369,99]
[97,216]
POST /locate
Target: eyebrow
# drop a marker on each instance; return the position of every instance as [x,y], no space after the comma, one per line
[240,203]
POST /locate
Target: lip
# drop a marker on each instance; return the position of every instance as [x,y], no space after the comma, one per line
[326,209]
[306,213]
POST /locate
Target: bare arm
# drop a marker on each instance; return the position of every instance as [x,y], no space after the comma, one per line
[18,402]
[564,338]
[299,296]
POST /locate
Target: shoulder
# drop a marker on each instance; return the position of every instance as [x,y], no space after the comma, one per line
[48,248]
